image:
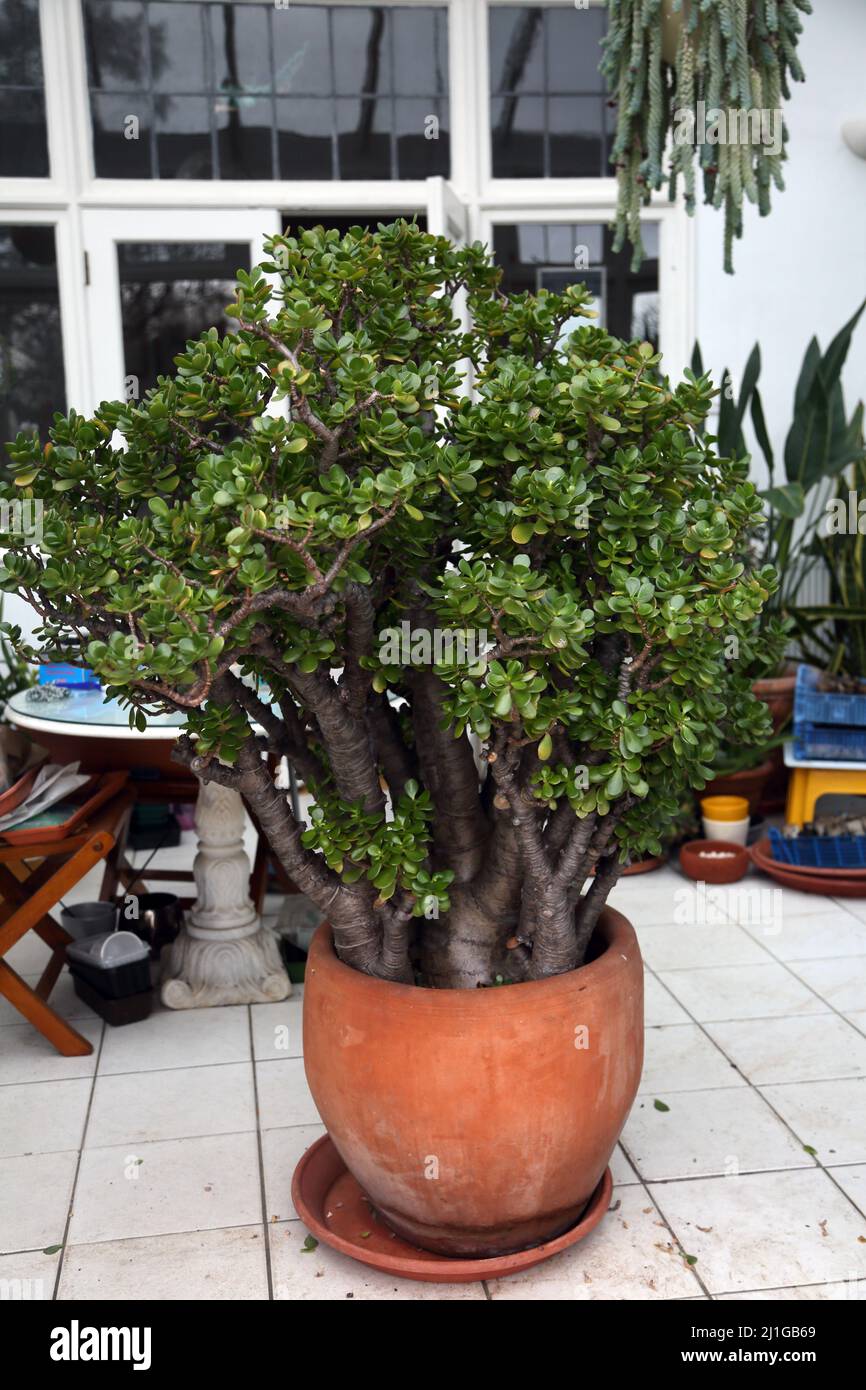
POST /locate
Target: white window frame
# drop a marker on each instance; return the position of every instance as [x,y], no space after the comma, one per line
[71,189]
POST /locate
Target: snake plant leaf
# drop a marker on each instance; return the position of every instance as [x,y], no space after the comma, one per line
[760,427]
[788,499]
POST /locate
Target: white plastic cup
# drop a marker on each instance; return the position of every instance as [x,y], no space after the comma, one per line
[737,831]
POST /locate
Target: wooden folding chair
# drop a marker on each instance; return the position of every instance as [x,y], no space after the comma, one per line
[30,889]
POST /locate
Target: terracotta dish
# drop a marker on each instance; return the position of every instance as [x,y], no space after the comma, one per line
[702,860]
[332,1206]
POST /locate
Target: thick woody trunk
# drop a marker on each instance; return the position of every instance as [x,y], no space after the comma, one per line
[467,947]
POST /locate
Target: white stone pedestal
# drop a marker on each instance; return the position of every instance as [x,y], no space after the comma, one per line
[223,955]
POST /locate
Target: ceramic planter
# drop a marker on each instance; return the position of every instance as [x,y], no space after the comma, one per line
[478,1122]
[777,693]
[749,783]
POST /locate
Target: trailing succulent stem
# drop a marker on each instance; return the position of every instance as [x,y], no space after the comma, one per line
[493,635]
[705,80]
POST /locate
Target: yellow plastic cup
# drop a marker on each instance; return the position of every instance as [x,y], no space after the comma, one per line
[726,818]
[725,807]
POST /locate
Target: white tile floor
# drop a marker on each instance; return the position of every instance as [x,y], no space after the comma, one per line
[160,1166]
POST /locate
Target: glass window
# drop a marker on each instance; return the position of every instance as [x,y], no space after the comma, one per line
[552,255]
[32,384]
[547,97]
[171,292]
[206,89]
[23,128]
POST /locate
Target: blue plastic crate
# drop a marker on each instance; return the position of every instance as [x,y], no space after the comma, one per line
[817,707]
[820,851]
[831,744]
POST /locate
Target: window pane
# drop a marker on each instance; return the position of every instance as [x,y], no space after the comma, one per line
[244,137]
[418,60]
[516,49]
[302,61]
[518,137]
[361,49]
[121,135]
[183,143]
[574,49]
[363,138]
[32,384]
[241,48]
[23,138]
[116,44]
[304,140]
[576,144]
[20,48]
[177,45]
[423,145]
[538,255]
[249,91]
[171,292]
[23,129]
[547,54]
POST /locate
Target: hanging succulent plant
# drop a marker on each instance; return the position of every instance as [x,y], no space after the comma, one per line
[703,77]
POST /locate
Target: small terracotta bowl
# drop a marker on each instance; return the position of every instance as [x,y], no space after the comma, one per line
[702,861]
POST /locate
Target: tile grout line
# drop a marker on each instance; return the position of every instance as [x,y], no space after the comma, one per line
[155,1071]
[71,1206]
[815,1163]
[266,1234]
[788,967]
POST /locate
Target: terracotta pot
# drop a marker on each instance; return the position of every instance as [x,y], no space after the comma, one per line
[777,692]
[748,783]
[477,1121]
[699,860]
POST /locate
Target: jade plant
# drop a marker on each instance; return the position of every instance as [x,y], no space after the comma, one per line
[495,632]
[700,80]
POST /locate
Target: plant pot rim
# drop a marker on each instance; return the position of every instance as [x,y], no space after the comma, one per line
[614,928]
[703,846]
[776,684]
[759,770]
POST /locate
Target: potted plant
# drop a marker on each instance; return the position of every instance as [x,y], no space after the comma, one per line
[705,78]
[492,632]
[821,446]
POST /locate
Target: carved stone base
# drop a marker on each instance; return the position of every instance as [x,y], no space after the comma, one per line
[203,973]
[223,955]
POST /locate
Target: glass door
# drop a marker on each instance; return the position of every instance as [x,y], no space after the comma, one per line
[541,247]
[157,278]
[448,215]
[32,369]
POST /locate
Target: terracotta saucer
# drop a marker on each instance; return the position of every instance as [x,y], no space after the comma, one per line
[765,852]
[840,887]
[332,1206]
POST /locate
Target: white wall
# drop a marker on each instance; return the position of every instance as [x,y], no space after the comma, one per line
[802,270]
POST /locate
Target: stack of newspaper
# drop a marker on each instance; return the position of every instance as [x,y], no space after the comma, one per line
[53,785]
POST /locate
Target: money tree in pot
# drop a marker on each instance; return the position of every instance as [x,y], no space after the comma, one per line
[493,632]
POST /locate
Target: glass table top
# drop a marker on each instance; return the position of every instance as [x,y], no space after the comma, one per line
[86,707]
